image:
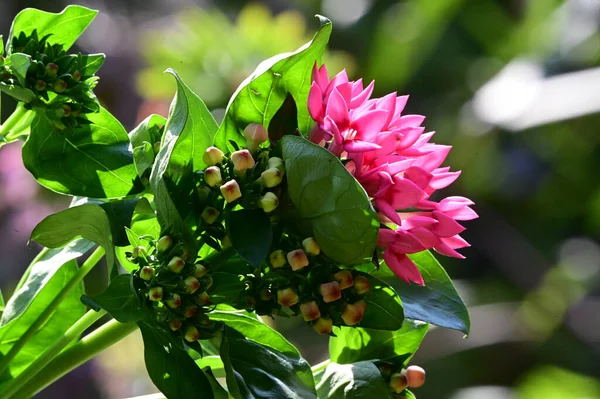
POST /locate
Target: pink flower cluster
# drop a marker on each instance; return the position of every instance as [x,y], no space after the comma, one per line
[393,159]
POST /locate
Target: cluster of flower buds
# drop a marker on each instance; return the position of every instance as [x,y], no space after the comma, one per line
[399,379]
[66,79]
[301,281]
[176,288]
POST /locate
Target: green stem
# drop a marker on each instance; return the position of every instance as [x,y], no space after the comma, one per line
[47,313]
[88,347]
[320,367]
[69,336]
[7,129]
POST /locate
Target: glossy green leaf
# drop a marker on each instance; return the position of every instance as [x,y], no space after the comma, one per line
[84,221]
[91,64]
[259,97]
[360,380]
[329,197]
[251,234]
[384,308]
[119,300]
[256,371]
[89,161]
[17,92]
[352,345]
[65,27]
[437,302]
[226,288]
[142,140]
[20,64]
[46,278]
[170,367]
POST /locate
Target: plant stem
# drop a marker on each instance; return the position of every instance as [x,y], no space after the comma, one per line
[69,336]
[87,266]
[7,130]
[320,367]
[88,347]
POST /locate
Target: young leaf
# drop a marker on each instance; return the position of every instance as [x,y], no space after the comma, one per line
[259,97]
[360,380]
[64,27]
[89,161]
[437,302]
[255,371]
[143,223]
[327,195]
[91,63]
[84,221]
[170,367]
[119,300]
[357,344]
[251,234]
[226,288]
[20,64]
[18,93]
[142,140]
[384,308]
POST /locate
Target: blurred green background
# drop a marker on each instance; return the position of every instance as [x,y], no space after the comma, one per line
[513,85]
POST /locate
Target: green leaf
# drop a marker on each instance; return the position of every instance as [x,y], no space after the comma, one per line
[89,161]
[285,120]
[91,64]
[119,300]
[226,288]
[324,193]
[84,221]
[142,140]
[20,64]
[251,234]
[255,371]
[437,302]
[259,97]
[2,304]
[360,380]
[170,367]
[47,276]
[384,308]
[18,93]
[357,344]
[64,27]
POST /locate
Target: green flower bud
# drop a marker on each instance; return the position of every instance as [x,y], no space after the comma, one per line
[398,382]
[271,177]
[242,160]
[255,135]
[156,147]
[176,264]
[190,311]
[344,278]
[330,291]
[192,334]
[269,202]
[287,297]
[138,251]
[40,85]
[164,243]
[212,176]
[200,270]
[310,246]
[265,294]
[297,259]
[210,215]
[175,324]
[354,312]
[203,193]
[226,241]
[361,285]
[155,293]
[310,311]
[76,76]
[191,284]
[203,298]
[277,259]
[231,191]
[212,156]
[51,70]
[174,301]
[59,86]
[323,325]
[277,163]
[147,273]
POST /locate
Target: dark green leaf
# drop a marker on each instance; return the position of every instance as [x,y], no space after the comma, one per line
[285,120]
[89,161]
[85,221]
[65,27]
[226,287]
[255,371]
[259,97]
[18,93]
[437,302]
[170,367]
[326,194]
[20,64]
[360,380]
[384,308]
[251,234]
[357,344]
[120,301]
[143,223]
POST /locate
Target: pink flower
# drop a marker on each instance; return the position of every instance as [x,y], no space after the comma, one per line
[393,159]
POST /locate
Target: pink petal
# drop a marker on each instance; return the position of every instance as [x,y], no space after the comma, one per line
[388,103]
[359,99]
[369,124]
[360,146]
[418,176]
[337,80]
[442,180]
[403,267]
[404,194]
[400,104]
[387,210]
[417,221]
[409,137]
[407,243]
[447,227]
[315,102]
[385,237]
[337,110]
[320,76]
[428,238]
[434,159]
[409,121]
[385,182]
[455,242]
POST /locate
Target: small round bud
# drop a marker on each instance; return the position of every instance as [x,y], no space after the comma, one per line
[203,193]
[265,294]
[40,85]
[287,297]
[51,70]
[191,284]
[231,191]
[212,176]
[415,376]
[200,270]
[344,278]
[76,75]
[59,86]
[297,259]
[208,282]
[164,243]
[354,312]
[155,293]
[174,301]
[271,177]
[269,202]
[277,259]
[210,215]
[331,291]
[361,285]
[138,251]
[185,255]
[189,311]
[250,302]
[203,298]
[212,156]
[275,162]
[175,324]
[147,273]
[176,264]
[226,241]
[398,382]
[192,334]
[242,160]
[255,135]
[310,311]
[156,147]
[323,325]
[310,246]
